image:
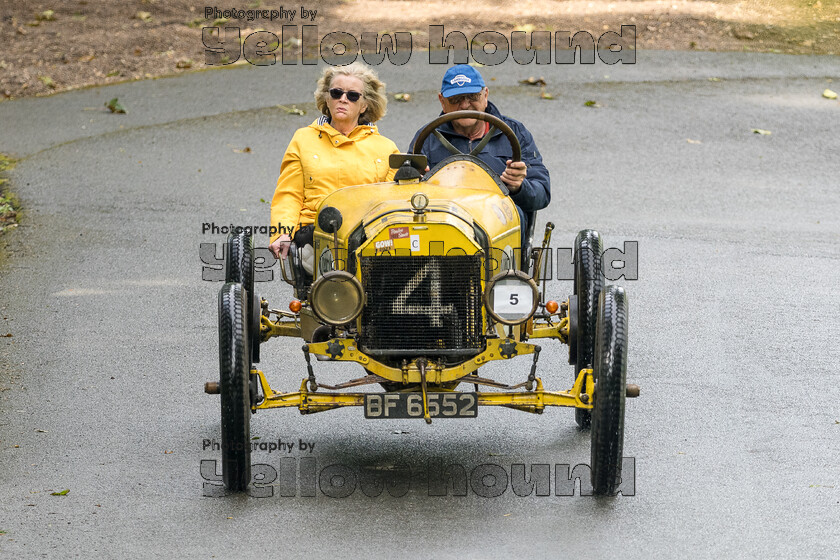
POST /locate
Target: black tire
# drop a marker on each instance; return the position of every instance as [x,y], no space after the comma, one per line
[235,391]
[610,391]
[240,268]
[588,283]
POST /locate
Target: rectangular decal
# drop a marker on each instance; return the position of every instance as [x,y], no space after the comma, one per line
[398,232]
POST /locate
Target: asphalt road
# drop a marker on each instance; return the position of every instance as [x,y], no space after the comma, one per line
[736,435]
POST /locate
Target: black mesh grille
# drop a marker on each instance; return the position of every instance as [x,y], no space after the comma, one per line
[428,303]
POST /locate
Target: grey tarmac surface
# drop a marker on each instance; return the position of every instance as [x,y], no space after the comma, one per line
[736,435]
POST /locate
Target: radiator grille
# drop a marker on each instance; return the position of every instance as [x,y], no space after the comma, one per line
[428,303]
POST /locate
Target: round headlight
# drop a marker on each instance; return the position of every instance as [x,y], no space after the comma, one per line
[337,297]
[511,297]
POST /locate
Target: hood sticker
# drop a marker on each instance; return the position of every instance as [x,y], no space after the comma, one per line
[398,232]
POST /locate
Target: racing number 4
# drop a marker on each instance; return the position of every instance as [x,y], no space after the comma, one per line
[435,311]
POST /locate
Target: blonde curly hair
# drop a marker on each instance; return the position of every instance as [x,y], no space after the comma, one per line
[374,90]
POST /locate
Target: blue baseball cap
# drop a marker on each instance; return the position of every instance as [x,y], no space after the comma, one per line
[461,78]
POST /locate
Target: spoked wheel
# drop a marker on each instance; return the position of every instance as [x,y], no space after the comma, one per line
[588,283]
[234,369]
[610,392]
[240,268]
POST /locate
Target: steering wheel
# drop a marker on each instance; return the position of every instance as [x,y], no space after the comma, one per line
[495,123]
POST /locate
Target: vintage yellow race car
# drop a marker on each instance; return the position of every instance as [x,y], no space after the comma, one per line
[421,282]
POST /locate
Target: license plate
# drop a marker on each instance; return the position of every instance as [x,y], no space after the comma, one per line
[410,405]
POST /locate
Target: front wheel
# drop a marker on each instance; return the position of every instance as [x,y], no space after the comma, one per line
[610,372]
[240,268]
[234,369]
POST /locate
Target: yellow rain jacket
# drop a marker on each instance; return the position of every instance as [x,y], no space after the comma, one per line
[320,160]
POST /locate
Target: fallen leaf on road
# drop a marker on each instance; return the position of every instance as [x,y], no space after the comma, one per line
[762,131]
[592,104]
[404,97]
[115,106]
[532,81]
[245,150]
[62,493]
[714,79]
[828,94]
[545,95]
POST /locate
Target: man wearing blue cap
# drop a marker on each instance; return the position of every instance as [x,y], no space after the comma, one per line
[463,89]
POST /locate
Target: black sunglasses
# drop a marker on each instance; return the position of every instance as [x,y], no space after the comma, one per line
[352,96]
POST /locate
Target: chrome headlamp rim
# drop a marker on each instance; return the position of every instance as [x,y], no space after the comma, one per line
[340,276]
[488,291]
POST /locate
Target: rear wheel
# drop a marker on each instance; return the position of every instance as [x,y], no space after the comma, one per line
[234,369]
[610,392]
[588,283]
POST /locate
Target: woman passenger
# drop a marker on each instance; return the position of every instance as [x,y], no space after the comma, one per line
[341,148]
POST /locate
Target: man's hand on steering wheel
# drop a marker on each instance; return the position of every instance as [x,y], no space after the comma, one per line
[514,174]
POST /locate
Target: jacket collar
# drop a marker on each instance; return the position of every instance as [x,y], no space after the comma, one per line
[322,124]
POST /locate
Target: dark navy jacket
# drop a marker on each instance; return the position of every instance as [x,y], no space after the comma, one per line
[535,193]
